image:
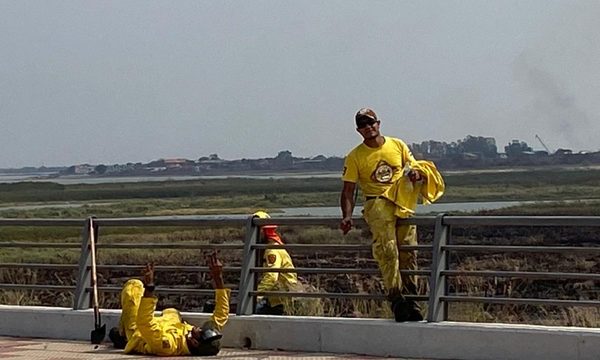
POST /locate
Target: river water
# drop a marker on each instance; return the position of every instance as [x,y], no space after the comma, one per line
[294,211]
[83,179]
[421,209]
[307,211]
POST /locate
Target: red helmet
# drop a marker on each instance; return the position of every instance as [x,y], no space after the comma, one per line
[270,231]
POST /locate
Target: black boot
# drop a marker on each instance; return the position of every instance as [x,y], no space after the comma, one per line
[401,309]
[270,310]
[414,312]
[276,310]
[118,340]
[209,306]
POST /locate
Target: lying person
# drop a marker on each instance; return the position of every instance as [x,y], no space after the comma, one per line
[142,332]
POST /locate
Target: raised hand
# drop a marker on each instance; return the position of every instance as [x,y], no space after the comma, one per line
[148,274]
[215,265]
[216,270]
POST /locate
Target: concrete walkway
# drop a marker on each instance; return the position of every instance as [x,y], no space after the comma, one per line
[49,349]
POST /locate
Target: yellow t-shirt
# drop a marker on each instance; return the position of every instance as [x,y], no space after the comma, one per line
[376,169]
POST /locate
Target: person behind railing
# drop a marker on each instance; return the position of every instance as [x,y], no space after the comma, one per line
[141,332]
[275,281]
[392,181]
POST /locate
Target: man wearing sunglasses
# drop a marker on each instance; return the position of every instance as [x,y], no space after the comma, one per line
[392,182]
[141,332]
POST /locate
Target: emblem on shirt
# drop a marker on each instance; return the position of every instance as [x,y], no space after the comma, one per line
[271,259]
[383,172]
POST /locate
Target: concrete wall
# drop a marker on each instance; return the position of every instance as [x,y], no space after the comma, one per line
[447,340]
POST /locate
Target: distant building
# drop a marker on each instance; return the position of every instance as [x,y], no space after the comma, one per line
[83,169]
[517,148]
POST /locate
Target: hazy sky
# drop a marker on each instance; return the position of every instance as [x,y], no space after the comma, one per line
[106,82]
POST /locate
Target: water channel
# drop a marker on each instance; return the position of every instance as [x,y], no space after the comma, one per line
[307,211]
[290,212]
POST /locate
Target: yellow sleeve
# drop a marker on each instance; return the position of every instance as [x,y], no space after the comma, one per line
[151,331]
[350,172]
[269,279]
[407,155]
[221,313]
[433,187]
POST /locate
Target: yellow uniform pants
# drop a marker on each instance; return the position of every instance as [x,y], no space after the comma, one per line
[131,296]
[387,238]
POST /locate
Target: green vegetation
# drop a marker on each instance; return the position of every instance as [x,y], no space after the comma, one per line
[573,208]
[243,196]
[42,191]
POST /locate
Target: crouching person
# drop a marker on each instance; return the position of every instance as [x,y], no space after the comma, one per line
[275,258]
[141,332]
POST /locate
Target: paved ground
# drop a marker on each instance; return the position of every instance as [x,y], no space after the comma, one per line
[46,349]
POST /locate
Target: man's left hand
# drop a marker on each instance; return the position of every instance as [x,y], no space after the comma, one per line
[415,175]
[216,270]
[148,274]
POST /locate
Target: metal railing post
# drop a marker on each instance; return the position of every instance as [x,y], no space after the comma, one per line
[438,310]
[248,278]
[84,276]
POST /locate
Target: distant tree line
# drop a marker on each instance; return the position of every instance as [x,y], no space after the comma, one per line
[470,152]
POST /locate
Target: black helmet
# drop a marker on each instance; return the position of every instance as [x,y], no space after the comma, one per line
[210,343]
[209,335]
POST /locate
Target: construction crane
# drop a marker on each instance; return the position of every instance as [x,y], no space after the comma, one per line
[544,145]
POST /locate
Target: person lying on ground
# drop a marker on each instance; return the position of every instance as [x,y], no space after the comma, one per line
[140,331]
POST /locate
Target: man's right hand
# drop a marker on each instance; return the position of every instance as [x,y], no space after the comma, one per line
[346,225]
[148,280]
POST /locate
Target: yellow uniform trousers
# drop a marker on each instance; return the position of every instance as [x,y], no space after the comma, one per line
[379,214]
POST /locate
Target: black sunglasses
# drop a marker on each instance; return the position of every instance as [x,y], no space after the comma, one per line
[361,124]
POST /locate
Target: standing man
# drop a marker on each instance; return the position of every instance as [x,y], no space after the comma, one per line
[275,258]
[392,181]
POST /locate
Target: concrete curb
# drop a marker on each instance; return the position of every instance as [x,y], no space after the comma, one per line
[377,337]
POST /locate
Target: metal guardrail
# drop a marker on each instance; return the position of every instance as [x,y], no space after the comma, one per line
[438,297]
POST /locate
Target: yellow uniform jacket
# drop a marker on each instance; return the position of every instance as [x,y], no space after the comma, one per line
[165,335]
[274,281]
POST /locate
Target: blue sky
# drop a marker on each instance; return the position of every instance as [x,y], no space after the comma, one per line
[114,82]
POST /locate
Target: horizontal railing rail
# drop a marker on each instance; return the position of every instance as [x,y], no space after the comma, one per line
[508,248]
[336,247]
[172,246]
[132,268]
[27,245]
[166,290]
[439,272]
[37,287]
[592,221]
[332,295]
[524,275]
[520,301]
